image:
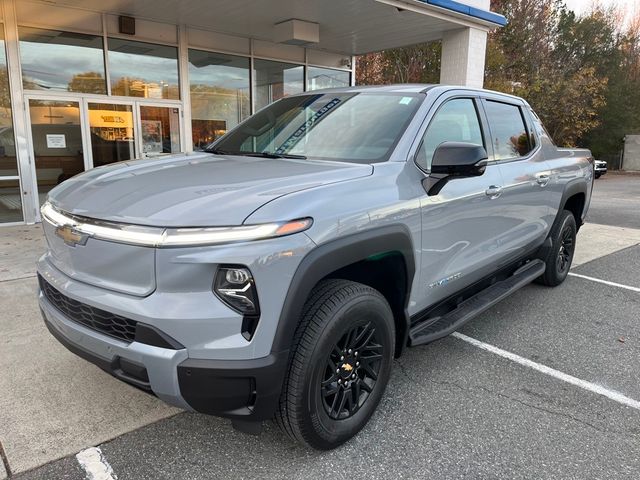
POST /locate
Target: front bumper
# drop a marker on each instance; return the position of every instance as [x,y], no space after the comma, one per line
[600,169]
[246,390]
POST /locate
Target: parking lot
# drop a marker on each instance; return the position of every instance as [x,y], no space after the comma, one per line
[544,385]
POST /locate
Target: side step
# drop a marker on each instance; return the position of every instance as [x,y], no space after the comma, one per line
[437,327]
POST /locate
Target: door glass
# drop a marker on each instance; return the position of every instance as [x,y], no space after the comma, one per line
[456,121]
[57,142]
[111,127]
[10,200]
[160,127]
[508,131]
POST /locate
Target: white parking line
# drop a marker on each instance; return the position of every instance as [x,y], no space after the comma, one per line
[592,387]
[95,465]
[606,282]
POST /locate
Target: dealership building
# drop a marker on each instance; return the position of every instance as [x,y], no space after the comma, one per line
[85,83]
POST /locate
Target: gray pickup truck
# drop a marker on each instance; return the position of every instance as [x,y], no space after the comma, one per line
[279,273]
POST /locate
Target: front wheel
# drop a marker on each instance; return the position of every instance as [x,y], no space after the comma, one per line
[341,362]
[558,261]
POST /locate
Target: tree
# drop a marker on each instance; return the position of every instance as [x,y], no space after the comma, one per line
[88,82]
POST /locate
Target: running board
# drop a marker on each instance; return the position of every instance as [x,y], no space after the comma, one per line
[437,327]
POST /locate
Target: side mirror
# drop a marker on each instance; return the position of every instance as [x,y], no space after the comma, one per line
[459,159]
[454,160]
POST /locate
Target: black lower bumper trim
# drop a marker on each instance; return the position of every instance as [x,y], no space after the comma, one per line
[241,389]
[125,370]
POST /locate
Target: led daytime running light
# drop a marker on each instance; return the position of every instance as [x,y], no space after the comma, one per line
[172,237]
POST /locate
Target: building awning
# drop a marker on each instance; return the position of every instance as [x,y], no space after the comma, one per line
[350,27]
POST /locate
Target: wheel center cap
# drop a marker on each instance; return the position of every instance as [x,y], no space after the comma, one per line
[347,368]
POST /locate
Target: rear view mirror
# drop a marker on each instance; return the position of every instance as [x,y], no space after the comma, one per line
[459,159]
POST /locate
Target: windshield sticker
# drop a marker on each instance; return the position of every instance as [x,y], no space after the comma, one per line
[405,100]
[295,136]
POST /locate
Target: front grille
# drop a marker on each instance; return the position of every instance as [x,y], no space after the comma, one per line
[91,317]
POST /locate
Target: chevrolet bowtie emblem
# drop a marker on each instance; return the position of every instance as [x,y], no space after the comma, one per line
[347,367]
[71,236]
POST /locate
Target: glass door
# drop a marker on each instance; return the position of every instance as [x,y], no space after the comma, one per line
[56,142]
[159,129]
[111,132]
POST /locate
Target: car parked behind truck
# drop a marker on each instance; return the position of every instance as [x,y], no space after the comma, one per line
[278,274]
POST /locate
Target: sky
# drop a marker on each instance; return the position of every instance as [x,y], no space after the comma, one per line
[583,6]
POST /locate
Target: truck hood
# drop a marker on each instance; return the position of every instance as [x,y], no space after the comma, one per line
[195,190]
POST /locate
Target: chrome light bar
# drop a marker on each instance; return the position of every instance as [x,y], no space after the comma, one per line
[170,237]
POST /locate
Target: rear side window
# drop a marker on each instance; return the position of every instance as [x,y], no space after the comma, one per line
[508,130]
[456,121]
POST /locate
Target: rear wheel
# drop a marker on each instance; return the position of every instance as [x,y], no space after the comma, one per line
[340,365]
[558,261]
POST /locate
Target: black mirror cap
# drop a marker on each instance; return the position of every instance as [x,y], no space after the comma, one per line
[459,159]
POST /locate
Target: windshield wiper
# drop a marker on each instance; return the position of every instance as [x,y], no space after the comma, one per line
[217,151]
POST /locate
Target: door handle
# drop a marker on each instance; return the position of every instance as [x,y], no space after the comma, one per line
[542,179]
[493,191]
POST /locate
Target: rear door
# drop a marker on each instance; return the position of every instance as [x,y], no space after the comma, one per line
[462,223]
[526,175]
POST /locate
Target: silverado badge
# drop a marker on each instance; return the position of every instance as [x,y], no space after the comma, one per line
[71,236]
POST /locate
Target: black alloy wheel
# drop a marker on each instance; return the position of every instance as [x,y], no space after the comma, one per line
[340,364]
[351,372]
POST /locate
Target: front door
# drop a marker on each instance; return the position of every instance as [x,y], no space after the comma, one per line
[460,224]
[57,143]
[160,130]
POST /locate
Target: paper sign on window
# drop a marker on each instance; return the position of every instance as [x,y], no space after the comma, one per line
[56,140]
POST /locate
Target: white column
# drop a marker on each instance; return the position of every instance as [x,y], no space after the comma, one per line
[185,88]
[463,55]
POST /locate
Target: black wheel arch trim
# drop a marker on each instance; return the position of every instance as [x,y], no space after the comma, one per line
[330,257]
[572,188]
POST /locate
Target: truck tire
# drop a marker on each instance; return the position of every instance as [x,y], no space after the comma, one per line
[558,261]
[339,366]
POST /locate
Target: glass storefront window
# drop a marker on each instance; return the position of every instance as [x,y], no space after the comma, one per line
[140,69]
[275,80]
[54,60]
[10,193]
[219,94]
[111,127]
[318,77]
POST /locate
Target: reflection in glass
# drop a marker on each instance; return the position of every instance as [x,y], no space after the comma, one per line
[140,69]
[160,130]
[274,80]
[61,61]
[326,78]
[8,163]
[57,142]
[10,201]
[219,94]
[111,128]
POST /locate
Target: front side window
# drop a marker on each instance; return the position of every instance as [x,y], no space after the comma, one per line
[508,130]
[53,60]
[140,69]
[353,127]
[456,121]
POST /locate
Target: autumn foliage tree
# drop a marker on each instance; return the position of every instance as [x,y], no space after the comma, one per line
[580,74]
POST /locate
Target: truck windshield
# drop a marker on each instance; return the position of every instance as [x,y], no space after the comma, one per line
[348,127]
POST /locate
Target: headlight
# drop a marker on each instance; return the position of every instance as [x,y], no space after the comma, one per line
[234,285]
